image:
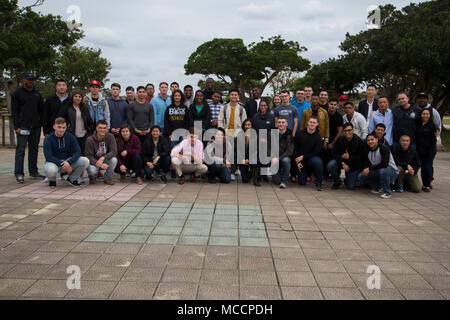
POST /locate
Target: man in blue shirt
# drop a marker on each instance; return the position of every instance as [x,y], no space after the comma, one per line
[117,109]
[383,115]
[300,103]
[288,111]
[160,104]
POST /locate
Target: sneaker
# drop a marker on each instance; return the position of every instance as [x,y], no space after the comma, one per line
[92,180]
[52,184]
[233,177]
[148,177]
[426,189]
[212,181]
[108,182]
[399,189]
[123,178]
[73,183]
[163,179]
[133,175]
[37,175]
[385,196]
[282,186]
[139,181]
[376,191]
[64,176]
[319,188]
[20,178]
[336,185]
[80,180]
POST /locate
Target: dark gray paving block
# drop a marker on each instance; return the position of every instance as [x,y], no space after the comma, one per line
[224,277]
[176,291]
[127,290]
[250,292]
[341,294]
[252,277]
[93,290]
[218,292]
[301,293]
[100,273]
[143,274]
[47,289]
[27,271]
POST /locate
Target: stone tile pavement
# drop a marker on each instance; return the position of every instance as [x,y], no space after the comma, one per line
[318,244]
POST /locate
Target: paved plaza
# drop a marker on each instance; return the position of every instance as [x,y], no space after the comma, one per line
[203,241]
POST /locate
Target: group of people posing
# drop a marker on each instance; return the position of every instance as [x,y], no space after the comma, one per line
[147,136]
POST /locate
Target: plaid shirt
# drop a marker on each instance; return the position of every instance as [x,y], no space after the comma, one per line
[215,109]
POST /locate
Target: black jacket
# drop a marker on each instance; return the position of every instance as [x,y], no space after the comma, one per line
[204,116]
[363,107]
[286,144]
[175,118]
[251,108]
[149,148]
[52,106]
[404,158]
[263,122]
[406,122]
[426,139]
[27,109]
[356,149]
[69,113]
[307,145]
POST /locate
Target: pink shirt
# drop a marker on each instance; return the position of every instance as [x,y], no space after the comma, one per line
[185,147]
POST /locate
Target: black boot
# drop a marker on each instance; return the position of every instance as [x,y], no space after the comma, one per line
[254,173]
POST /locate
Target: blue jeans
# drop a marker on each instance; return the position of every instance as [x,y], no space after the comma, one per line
[383,178]
[33,149]
[93,170]
[51,169]
[162,165]
[426,171]
[217,170]
[334,168]
[282,176]
[313,165]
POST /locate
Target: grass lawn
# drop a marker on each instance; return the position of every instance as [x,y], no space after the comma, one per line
[445,137]
[446,120]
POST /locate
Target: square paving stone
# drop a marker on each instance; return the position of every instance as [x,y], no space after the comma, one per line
[195,232]
[226,206]
[110,229]
[176,275]
[226,212]
[217,292]
[149,215]
[197,224]
[135,204]
[100,273]
[47,289]
[134,290]
[252,277]
[171,223]
[341,294]
[158,204]
[144,222]
[80,259]
[131,210]
[162,239]
[45,258]
[132,238]
[228,277]
[253,242]
[260,293]
[139,229]
[334,280]
[27,271]
[252,233]
[93,290]
[14,287]
[200,217]
[252,225]
[382,294]
[102,237]
[224,232]
[118,221]
[181,205]
[223,241]
[301,293]
[167,231]
[154,210]
[176,291]
[224,225]
[221,262]
[175,216]
[249,213]
[193,240]
[204,206]
[202,211]
[252,219]
[220,217]
[143,274]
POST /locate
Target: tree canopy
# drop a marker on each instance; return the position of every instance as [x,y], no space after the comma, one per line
[241,66]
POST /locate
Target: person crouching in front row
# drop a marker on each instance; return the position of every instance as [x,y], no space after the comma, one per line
[63,154]
[188,156]
[129,157]
[101,150]
[156,153]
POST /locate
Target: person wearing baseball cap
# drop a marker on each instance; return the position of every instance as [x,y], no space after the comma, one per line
[422,101]
[27,108]
[97,104]
[342,100]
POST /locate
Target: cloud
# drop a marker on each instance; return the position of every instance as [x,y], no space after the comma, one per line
[269,11]
[103,36]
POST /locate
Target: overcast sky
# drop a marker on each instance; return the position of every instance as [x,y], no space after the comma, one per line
[150,41]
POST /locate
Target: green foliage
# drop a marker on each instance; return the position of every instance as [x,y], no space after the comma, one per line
[31,39]
[243,67]
[79,65]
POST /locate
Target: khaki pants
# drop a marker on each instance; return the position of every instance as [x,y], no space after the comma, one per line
[182,168]
[409,181]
